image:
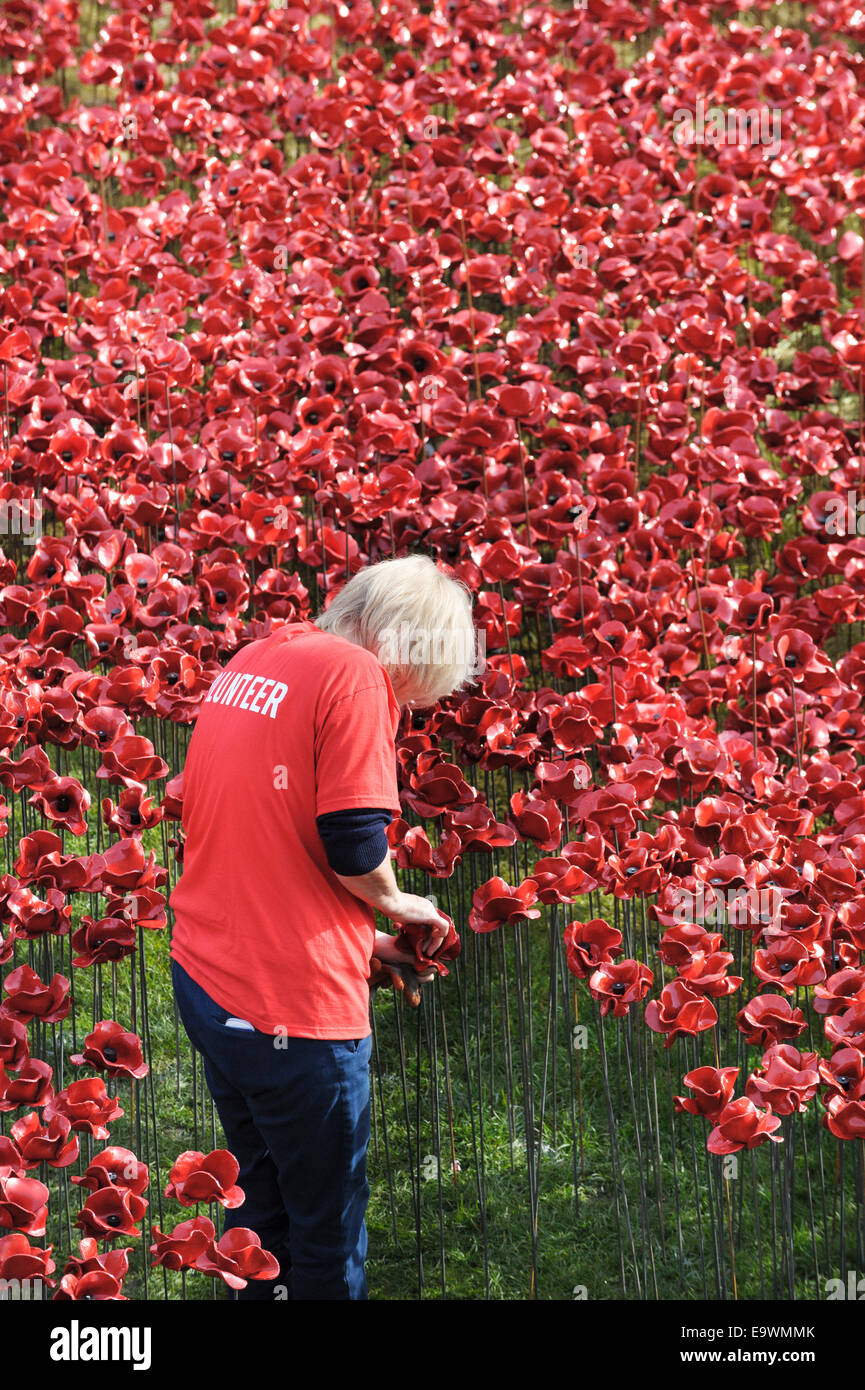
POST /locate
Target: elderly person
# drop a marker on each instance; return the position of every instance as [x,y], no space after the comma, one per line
[289,784]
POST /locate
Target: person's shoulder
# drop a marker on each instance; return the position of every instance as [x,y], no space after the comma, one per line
[346,672]
[350,668]
[328,660]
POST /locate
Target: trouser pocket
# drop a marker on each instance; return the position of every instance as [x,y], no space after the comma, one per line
[195,1006]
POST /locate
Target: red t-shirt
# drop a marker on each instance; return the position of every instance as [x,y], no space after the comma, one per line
[298,724]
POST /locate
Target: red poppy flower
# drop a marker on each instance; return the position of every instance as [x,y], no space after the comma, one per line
[35,916]
[563,780]
[786,1081]
[110,938]
[634,870]
[28,998]
[684,521]
[115,1167]
[38,855]
[112,1050]
[589,945]
[41,1141]
[680,1011]
[124,865]
[31,1086]
[132,761]
[21,1262]
[789,962]
[133,814]
[841,990]
[14,1048]
[742,1126]
[682,943]
[619,984]
[86,1105]
[23,1205]
[63,801]
[197,1177]
[237,1257]
[90,1261]
[414,851]
[172,801]
[847,1029]
[410,938]
[845,1116]
[707,973]
[559,880]
[770,1019]
[713,1090]
[97,1285]
[843,1072]
[110,1212]
[10,1156]
[496,902]
[187,1243]
[537,819]
[437,786]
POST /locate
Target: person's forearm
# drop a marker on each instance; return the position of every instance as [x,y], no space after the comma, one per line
[379,888]
[385,947]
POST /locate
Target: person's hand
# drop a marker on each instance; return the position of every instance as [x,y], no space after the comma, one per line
[388,951]
[402,976]
[413,910]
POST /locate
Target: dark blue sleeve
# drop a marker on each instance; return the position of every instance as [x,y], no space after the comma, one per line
[354,841]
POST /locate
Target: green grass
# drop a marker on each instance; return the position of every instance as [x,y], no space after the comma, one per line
[510,1068]
[582,1183]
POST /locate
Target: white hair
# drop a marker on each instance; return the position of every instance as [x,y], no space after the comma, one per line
[415,620]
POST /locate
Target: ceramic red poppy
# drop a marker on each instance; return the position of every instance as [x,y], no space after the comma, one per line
[742,1125]
[21,1261]
[86,1105]
[712,1090]
[113,1051]
[680,1011]
[198,1177]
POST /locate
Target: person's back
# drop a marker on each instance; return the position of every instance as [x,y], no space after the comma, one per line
[288,788]
[299,724]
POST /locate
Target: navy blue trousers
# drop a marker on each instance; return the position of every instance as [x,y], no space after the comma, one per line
[296,1116]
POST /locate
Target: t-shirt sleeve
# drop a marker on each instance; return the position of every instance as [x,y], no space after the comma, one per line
[355,760]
